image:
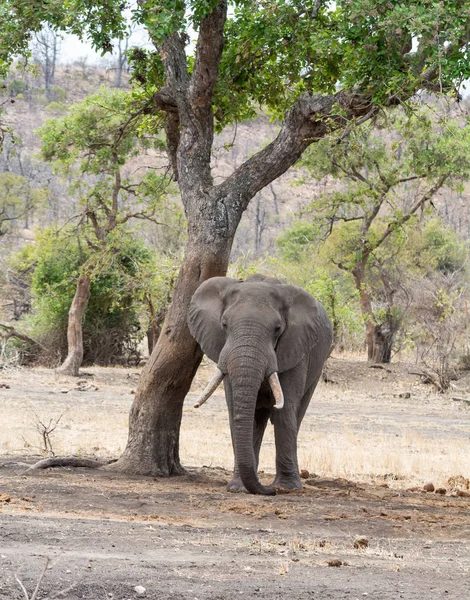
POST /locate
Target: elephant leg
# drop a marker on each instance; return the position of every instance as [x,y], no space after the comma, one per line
[259,426]
[285,436]
[286,427]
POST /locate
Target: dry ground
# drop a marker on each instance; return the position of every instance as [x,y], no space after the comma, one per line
[364,441]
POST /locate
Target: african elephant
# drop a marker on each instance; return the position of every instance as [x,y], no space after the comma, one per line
[269,341]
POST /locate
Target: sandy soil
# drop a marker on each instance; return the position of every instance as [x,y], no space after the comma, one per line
[187,538]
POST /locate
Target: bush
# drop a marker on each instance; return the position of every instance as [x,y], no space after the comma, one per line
[111,327]
[16,86]
[57,94]
[57,108]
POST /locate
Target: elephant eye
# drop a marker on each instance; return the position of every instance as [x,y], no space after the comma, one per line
[277,329]
[224,324]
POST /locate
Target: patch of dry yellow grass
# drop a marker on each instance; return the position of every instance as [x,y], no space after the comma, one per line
[333,442]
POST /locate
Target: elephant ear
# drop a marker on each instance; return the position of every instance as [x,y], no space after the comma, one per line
[308,326]
[205,312]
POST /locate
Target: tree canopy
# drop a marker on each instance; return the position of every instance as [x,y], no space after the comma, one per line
[273,50]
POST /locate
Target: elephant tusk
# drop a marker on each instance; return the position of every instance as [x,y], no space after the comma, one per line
[211,387]
[277,390]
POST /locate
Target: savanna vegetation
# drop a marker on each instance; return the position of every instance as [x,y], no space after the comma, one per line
[324,144]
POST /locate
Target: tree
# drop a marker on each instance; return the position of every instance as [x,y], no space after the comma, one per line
[392,170]
[46,48]
[97,139]
[17,200]
[288,57]
[440,302]
[305,261]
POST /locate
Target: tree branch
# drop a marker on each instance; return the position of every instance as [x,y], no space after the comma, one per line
[208,53]
[417,205]
[172,130]
[12,332]
[309,120]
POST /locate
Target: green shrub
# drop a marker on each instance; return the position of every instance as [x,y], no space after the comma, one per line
[16,86]
[57,94]
[111,327]
[57,108]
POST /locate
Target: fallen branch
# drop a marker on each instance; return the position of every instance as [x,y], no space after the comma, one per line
[12,332]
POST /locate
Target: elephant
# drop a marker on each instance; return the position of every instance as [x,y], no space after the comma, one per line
[270,341]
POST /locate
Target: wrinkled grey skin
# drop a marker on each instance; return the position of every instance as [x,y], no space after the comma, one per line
[252,329]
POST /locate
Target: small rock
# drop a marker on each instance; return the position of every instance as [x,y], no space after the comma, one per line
[4,385]
[64,391]
[360,543]
[441,491]
[429,487]
[132,392]
[304,474]
[334,562]
[140,590]
[462,494]
[404,395]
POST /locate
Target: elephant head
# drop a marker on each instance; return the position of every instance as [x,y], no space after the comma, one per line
[253,330]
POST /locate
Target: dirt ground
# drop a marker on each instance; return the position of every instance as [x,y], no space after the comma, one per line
[363,534]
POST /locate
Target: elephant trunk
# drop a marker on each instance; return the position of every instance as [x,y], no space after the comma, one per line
[246,383]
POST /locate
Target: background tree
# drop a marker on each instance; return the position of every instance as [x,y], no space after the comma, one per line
[97,138]
[17,199]
[305,261]
[45,51]
[288,57]
[390,171]
[439,308]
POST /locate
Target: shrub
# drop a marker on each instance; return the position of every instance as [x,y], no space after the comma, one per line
[57,108]
[16,86]
[111,327]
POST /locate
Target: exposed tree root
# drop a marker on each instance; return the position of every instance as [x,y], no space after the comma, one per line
[68,461]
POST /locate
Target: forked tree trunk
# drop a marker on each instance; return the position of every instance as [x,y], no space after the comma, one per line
[73,362]
[372,329]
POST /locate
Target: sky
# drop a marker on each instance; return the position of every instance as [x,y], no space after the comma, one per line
[72,48]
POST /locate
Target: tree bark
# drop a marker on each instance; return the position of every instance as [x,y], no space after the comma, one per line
[379,345]
[73,362]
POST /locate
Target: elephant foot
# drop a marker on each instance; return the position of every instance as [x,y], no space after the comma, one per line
[236,486]
[288,483]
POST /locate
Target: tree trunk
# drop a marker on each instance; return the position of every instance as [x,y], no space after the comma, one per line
[155,418]
[73,362]
[373,343]
[379,344]
[379,338]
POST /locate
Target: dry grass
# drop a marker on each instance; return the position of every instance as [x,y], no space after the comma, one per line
[362,435]
[404,459]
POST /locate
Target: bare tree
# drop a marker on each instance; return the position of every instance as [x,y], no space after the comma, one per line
[121,60]
[46,48]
